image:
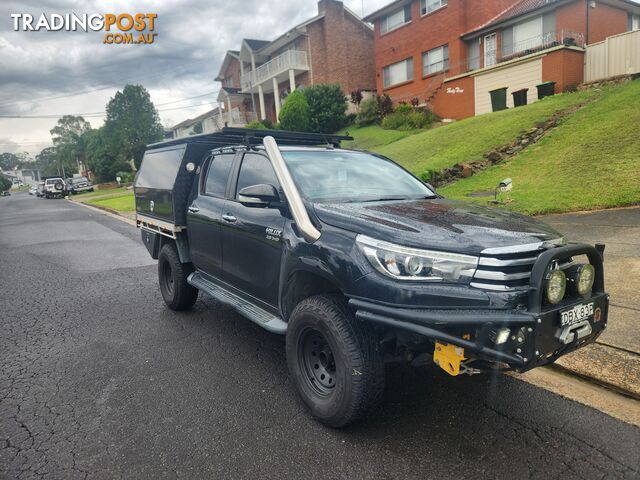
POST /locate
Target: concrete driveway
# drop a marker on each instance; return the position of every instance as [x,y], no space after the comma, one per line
[615,359]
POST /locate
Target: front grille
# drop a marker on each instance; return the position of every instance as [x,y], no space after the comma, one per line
[509,268]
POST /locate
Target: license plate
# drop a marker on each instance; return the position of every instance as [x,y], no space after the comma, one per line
[576,314]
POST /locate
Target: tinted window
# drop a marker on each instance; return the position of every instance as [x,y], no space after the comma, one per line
[256,169]
[217,175]
[160,168]
[334,175]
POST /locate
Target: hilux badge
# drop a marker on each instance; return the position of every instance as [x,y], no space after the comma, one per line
[273,234]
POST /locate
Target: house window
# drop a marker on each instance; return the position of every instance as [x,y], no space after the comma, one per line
[634,22]
[473,55]
[538,31]
[435,60]
[397,73]
[428,6]
[395,20]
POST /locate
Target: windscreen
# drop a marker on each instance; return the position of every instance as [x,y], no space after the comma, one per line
[160,168]
[330,175]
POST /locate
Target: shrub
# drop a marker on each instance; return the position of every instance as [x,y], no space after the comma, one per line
[415,101]
[256,125]
[369,112]
[125,177]
[356,97]
[294,115]
[327,107]
[403,120]
[385,105]
[404,108]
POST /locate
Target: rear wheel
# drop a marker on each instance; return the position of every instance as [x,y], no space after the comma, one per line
[172,275]
[334,361]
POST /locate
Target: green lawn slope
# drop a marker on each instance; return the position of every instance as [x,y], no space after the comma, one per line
[591,160]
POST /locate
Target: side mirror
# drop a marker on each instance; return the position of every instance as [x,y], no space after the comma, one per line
[258,195]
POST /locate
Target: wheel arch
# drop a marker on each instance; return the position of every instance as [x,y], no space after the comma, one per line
[303,284]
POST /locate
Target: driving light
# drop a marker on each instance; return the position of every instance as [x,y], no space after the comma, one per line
[502,336]
[556,286]
[585,279]
[406,263]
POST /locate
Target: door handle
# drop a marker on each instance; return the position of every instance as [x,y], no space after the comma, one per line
[227,217]
[193,208]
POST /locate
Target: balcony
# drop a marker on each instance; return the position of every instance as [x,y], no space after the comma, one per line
[278,66]
[231,118]
[526,47]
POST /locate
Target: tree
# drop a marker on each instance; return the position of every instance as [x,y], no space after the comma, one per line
[5,183]
[68,140]
[294,115]
[132,122]
[327,107]
[104,159]
[47,162]
[9,161]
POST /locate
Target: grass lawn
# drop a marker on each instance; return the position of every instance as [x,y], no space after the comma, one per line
[124,202]
[469,139]
[99,193]
[591,160]
[371,136]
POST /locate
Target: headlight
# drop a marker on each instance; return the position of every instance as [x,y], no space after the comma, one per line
[585,278]
[556,286]
[406,263]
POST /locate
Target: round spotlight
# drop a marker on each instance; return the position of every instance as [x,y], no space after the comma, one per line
[556,286]
[585,278]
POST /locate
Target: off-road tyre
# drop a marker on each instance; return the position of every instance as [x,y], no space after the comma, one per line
[172,276]
[349,385]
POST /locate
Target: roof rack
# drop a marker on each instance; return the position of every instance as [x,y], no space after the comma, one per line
[247,136]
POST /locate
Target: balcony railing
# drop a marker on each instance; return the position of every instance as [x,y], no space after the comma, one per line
[231,118]
[291,59]
[528,47]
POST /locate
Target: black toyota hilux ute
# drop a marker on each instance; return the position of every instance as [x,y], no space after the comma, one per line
[359,263]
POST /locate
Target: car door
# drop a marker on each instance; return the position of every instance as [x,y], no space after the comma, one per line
[204,214]
[252,236]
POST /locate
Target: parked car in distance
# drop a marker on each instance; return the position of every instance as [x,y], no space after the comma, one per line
[55,188]
[358,263]
[78,185]
[6,193]
[40,189]
[33,190]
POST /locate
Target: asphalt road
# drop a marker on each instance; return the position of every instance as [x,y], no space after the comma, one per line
[99,380]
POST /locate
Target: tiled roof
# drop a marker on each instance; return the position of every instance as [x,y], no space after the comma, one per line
[520,8]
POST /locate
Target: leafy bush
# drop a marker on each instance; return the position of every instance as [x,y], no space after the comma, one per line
[369,112]
[327,107]
[356,97]
[125,177]
[5,183]
[256,125]
[404,108]
[403,120]
[386,105]
[294,115]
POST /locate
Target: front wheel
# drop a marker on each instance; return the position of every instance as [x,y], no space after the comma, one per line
[334,361]
[172,275]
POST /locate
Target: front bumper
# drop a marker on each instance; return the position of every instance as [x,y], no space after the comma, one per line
[536,336]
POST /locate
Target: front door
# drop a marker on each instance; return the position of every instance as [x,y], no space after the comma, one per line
[204,215]
[490,50]
[252,236]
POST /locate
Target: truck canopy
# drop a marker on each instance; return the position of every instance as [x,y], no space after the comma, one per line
[163,184]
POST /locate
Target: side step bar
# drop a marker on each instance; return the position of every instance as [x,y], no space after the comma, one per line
[254,313]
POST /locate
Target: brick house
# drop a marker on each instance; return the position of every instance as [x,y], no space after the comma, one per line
[258,77]
[450,53]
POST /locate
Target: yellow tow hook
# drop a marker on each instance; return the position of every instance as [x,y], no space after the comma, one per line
[448,357]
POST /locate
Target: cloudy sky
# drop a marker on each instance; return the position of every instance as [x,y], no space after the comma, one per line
[54,73]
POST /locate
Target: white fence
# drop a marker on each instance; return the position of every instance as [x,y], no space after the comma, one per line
[291,59]
[617,55]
